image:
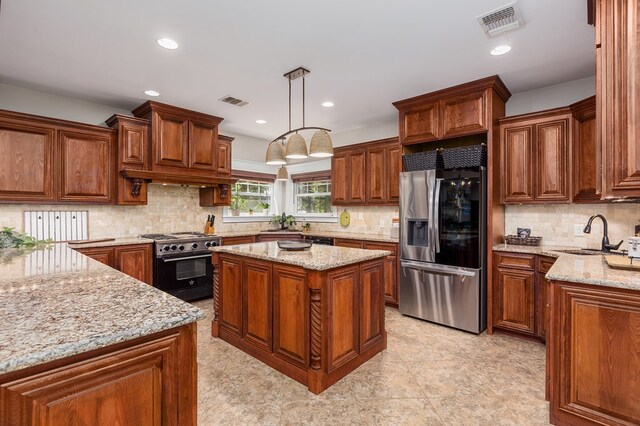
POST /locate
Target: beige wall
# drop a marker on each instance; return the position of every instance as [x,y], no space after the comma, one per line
[555,223]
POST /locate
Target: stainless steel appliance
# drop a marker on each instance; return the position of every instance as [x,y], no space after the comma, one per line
[442,247]
[182,264]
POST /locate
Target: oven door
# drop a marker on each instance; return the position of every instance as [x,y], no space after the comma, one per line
[187,277]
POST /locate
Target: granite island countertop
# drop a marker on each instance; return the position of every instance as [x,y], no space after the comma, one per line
[582,269]
[56,302]
[110,243]
[317,258]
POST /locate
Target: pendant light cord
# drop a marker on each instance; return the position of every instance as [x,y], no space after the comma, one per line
[303,91]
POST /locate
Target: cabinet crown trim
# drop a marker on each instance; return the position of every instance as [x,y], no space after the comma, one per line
[149,106]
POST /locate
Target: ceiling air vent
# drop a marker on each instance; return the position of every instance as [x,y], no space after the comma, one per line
[505,18]
[233,101]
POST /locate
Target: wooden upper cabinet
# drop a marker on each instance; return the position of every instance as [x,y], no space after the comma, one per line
[394,168]
[420,124]
[618,89]
[339,173]
[358,175]
[587,158]
[86,166]
[517,151]
[535,157]
[464,115]
[224,155]
[453,112]
[203,144]
[183,139]
[170,145]
[376,176]
[552,171]
[26,160]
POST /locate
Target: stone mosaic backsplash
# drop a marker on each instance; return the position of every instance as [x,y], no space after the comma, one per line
[555,223]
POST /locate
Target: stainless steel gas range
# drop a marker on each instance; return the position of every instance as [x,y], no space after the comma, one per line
[182,264]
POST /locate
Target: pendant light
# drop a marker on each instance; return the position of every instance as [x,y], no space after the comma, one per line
[283,174]
[296,146]
[275,154]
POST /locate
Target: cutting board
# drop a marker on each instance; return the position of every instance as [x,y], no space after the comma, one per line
[623,262]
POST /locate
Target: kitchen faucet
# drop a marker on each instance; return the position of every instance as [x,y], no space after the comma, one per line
[606,247]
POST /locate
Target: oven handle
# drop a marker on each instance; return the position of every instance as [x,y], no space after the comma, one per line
[177,259]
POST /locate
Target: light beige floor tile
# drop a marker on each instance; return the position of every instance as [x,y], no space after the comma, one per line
[406,412]
[243,414]
[320,413]
[448,378]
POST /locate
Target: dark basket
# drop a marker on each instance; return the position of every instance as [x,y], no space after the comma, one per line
[427,160]
[465,156]
[522,241]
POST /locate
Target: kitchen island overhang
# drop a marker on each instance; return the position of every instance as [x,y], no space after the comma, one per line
[314,315]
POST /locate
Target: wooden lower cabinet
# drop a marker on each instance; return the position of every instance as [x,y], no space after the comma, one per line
[231,241]
[147,381]
[267,237]
[134,260]
[314,326]
[391,264]
[594,355]
[519,293]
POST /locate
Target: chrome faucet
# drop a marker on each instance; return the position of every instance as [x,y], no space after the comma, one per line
[606,247]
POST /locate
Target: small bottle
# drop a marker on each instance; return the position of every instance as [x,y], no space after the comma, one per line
[637,231]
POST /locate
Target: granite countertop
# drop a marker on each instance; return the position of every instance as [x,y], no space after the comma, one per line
[329,234]
[111,243]
[56,302]
[317,258]
[582,269]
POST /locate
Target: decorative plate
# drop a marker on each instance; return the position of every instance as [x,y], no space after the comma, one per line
[294,245]
[345,218]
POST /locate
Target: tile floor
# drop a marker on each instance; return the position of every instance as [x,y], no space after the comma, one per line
[429,375]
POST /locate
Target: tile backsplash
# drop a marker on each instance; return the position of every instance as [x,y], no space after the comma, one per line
[173,209]
[555,223]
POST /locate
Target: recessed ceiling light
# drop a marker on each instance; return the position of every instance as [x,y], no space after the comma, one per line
[261,121]
[327,104]
[500,50]
[151,93]
[167,43]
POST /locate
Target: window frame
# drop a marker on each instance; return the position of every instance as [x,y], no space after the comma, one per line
[256,216]
[313,217]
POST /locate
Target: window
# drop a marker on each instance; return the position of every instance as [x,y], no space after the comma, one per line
[313,198]
[250,198]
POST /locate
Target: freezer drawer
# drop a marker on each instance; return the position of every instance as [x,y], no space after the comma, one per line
[443,294]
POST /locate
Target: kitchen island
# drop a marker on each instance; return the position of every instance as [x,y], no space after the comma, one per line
[82,343]
[314,315]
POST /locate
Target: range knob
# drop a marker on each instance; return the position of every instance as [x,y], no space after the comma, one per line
[180,247]
[165,248]
[213,243]
[173,247]
[194,246]
[208,244]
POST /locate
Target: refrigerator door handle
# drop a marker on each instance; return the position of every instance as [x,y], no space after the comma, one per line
[442,269]
[436,216]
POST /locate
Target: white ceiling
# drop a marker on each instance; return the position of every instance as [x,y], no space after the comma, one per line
[363,54]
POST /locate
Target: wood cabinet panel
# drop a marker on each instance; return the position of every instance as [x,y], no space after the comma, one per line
[512,260]
[357,171]
[343,242]
[376,179]
[135,261]
[618,90]
[266,237]
[517,154]
[372,277]
[587,152]
[391,270]
[394,168]
[26,161]
[464,115]
[101,254]
[216,196]
[231,241]
[86,164]
[594,355]
[339,181]
[231,295]
[343,305]
[203,141]
[171,141]
[152,382]
[552,146]
[257,304]
[224,156]
[420,123]
[290,315]
[134,141]
[513,300]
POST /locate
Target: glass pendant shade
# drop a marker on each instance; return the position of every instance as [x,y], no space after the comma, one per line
[296,147]
[321,145]
[275,154]
[283,174]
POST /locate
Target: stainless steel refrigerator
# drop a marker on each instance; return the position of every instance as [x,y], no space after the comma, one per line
[442,247]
